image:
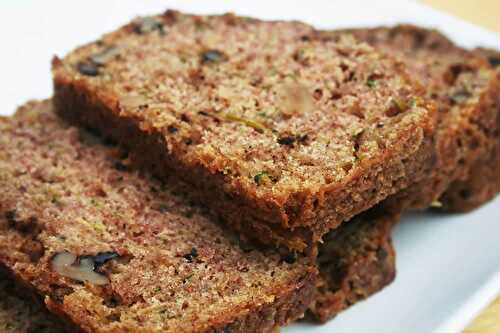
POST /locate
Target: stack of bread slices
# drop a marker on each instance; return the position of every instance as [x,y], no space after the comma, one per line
[227,174]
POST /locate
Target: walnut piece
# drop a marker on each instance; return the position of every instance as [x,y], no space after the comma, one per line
[80,269]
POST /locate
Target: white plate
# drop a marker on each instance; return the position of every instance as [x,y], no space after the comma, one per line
[448,266]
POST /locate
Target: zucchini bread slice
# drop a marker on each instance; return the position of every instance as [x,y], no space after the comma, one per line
[108,250]
[281,133]
[483,182]
[356,260]
[465,88]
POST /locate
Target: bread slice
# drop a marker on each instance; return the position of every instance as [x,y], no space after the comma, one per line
[465,87]
[144,258]
[355,261]
[110,251]
[282,133]
[19,314]
[483,181]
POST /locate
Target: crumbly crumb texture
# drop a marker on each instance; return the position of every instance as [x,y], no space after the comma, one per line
[111,251]
[465,88]
[290,126]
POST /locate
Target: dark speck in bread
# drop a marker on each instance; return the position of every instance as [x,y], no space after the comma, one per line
[192,255]
[148,24]
[101,258]
[286,140]
[494,60]
[212,57]
[88,68]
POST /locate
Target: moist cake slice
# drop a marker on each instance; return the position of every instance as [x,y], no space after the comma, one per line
[109,250]
[283,134]
[356,260]
[483,181]
[465,88]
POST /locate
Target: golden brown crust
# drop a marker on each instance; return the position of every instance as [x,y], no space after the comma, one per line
[326,148]
[466,90]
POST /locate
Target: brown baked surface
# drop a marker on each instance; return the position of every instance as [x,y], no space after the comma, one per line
[281,132]
[21,314]
[158,263]
[63,190]
[465,88]
[483,181]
